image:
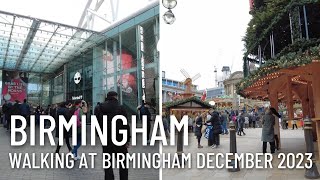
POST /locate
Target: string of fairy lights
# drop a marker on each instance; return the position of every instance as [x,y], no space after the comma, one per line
[270,69]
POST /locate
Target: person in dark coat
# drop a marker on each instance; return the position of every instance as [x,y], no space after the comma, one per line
[268,123]
[25,110]
[217,129]
[16,110]
[112,108]
[97,109]
[241,121]
[37,114]
[63,111]
[144,111]
[197,130]
[276,138]
[6,109]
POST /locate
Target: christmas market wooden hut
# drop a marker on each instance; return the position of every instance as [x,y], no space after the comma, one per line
[283,38]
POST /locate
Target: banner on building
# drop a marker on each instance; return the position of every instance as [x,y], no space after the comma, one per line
[14,86]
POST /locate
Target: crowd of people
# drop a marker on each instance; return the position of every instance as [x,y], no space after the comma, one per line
[212,124]
[110,107]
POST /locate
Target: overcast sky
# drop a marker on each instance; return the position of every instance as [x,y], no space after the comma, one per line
[206,33]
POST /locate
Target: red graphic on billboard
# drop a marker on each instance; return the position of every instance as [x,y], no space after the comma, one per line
[128,81]
[14,86]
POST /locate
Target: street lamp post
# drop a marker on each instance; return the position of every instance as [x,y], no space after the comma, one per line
[311,173]
[169,17]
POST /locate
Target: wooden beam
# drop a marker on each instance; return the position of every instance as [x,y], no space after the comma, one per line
[296,71]
[289,98]
[315,69]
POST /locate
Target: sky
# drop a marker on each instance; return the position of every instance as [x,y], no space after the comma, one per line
[205,34]
[69,11]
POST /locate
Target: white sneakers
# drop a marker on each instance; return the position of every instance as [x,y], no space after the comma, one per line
[75,157]
[214,146]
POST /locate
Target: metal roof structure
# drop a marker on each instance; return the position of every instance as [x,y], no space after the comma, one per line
[34,45]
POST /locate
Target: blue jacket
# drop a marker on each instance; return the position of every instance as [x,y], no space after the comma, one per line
[25,109]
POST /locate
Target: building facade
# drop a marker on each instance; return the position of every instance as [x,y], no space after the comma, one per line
[123,58]
[170,88]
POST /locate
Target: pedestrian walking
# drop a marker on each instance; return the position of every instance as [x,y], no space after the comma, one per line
[294,124]
[78,113]
[25,111]
[268,123]
[6,109]
[63,111]
[198,129]
[112,108]
[16,110]
[144,111]
[241,122]
[224,121]
[216,129]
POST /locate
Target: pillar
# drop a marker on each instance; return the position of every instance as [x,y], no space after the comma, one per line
[289,102]
[311,111]
[316,97]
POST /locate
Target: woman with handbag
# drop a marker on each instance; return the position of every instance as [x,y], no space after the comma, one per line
[78,113]
[199,129]
[217,129]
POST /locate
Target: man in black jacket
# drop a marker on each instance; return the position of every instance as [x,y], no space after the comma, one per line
[112,108]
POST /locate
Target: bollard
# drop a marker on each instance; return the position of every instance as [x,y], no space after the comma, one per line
[180,146]
[311,173]
[233,148]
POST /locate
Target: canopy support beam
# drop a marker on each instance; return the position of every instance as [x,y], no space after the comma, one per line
[27,43]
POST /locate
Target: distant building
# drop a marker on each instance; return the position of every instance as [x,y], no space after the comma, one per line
[225,75]
[230,83]
[215,92]
[171,87]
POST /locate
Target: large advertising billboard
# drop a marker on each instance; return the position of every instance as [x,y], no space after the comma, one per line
[14,86]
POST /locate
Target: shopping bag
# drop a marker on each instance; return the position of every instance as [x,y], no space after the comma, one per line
[208,131]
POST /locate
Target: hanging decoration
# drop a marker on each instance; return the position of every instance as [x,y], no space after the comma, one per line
[169,17]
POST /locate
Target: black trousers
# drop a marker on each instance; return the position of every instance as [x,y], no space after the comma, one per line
[8,119]
[272,147]
[254,124]
[148,129]
[67,142]
[216,139]
[123,171]
[294,125]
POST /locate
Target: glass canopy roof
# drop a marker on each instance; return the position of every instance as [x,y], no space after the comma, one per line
[34,45]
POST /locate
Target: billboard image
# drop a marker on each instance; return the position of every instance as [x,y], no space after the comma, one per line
[14,85]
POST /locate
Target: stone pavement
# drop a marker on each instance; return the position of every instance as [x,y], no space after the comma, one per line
[6,173]
[292,141]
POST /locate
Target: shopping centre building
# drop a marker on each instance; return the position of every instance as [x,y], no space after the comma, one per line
[48,62]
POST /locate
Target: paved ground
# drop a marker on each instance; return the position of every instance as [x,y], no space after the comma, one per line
[292,141]
[6,173]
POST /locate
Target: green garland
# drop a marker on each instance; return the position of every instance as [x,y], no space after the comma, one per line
[182,101]
[289,57]
[266,19]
